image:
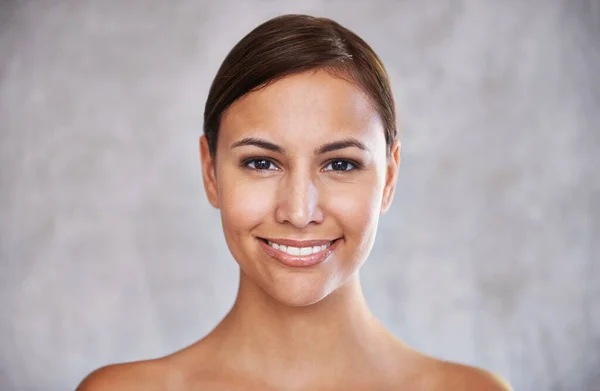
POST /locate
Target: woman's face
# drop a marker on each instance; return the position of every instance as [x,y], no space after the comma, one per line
[301,176]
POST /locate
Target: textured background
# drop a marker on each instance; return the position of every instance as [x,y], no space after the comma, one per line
[109,251]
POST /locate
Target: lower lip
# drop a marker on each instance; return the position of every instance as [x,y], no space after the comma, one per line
[298,260]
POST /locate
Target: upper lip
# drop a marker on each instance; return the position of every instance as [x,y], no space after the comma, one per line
[299,243]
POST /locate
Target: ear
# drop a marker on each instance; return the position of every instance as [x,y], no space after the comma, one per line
[393,163]
[209,174]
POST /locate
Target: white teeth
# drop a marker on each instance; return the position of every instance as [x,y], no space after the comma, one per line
[306,251]
[302,251]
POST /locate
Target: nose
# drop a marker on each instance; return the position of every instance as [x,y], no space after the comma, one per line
[298,201]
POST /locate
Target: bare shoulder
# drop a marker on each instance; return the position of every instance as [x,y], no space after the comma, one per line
[467,378]
[424,372]
[150,375]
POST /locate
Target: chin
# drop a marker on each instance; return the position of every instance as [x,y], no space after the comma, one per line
[299,293]
[298,301]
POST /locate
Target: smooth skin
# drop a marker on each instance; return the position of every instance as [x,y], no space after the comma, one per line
[303,158]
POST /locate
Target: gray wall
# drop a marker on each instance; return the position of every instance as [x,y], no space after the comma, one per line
[109,251]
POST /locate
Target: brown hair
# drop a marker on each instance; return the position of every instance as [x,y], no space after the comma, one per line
[291,44]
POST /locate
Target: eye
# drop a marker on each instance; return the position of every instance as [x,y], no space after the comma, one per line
[261,164]
[339,165]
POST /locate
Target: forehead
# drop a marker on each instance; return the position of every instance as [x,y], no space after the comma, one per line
[310,105]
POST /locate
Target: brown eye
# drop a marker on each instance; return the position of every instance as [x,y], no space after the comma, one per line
[339,165]
[261,164]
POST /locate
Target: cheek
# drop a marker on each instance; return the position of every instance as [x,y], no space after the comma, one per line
[357,207]
[353,206]
[244,202]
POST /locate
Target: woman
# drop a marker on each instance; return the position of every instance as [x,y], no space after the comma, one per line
[300,155]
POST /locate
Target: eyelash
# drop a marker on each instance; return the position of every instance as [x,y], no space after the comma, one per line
[245,163]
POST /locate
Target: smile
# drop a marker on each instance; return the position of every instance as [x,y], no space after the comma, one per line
[298,253]
[298,250]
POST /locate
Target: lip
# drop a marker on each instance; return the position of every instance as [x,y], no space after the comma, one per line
[299,243]
[298,260]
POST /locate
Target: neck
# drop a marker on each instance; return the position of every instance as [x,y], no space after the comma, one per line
[339,333]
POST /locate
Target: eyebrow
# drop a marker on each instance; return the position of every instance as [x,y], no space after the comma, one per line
[257,142]
[342,144]
[329,147]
